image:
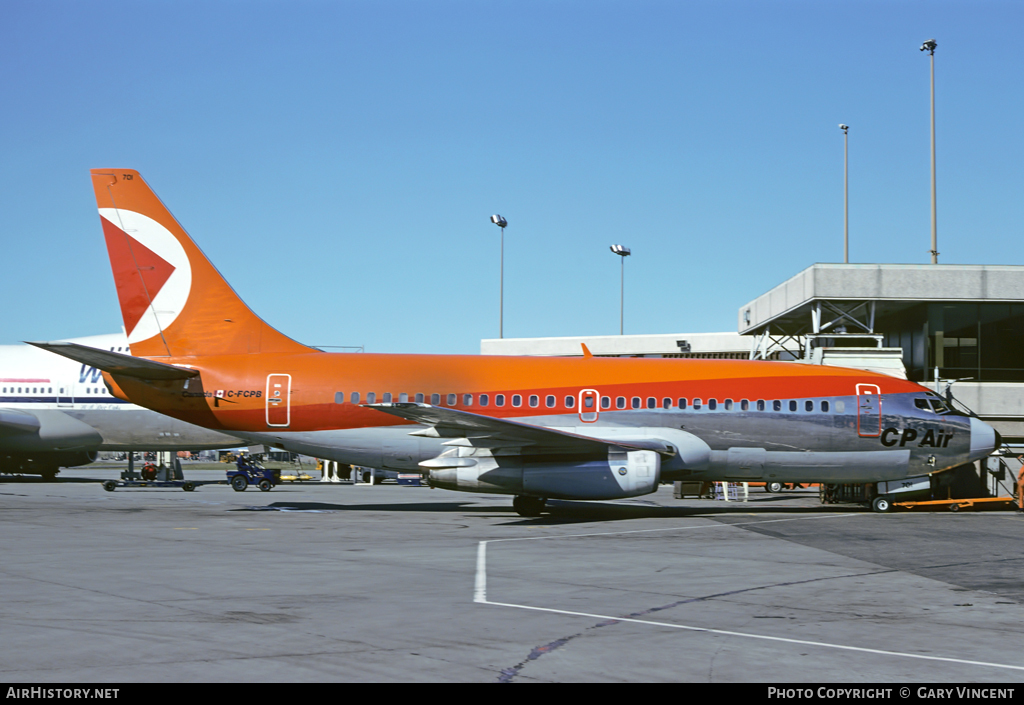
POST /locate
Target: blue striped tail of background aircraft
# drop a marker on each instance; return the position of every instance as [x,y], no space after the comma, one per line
[536,428]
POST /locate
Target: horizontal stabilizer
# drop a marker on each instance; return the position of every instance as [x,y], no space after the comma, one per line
[118,363]
[487,431]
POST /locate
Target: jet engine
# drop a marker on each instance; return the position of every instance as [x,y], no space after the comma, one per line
[620,474]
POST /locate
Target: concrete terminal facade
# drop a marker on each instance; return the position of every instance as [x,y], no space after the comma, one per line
[952,324]
[935,324]
[723,346]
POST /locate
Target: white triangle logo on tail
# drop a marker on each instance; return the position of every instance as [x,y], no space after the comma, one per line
[153,281]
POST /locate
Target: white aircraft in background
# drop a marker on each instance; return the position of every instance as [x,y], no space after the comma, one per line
[55,412]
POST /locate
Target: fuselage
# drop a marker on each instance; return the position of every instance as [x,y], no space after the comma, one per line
[760,419]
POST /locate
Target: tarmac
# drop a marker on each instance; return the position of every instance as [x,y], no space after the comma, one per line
[338,582]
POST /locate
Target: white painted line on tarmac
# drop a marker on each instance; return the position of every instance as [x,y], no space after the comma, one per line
[480,596]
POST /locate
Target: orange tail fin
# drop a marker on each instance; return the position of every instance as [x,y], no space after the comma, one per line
[173,301]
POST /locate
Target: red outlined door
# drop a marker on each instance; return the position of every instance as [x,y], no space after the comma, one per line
[869,410]
[589,405]
[279,392]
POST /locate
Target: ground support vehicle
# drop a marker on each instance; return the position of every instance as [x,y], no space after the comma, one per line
[187,485]
[241,478]
[953,505]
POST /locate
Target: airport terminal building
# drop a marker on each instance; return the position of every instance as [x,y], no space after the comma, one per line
[955,326]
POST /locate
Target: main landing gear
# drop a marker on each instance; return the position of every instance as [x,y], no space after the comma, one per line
[528,506]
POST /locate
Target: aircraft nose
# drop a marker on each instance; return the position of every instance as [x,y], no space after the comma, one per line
[984,439]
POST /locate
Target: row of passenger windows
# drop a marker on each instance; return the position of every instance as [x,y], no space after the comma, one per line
[49,390]
[550,401]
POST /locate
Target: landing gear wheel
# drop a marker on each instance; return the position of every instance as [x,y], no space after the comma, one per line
[882,504]
[773,487]
[265,485]
[239,483]
[528,506]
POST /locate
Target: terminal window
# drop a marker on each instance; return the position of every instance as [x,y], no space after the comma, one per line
[979,340]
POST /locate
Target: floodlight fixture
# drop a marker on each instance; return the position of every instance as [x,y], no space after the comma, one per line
[623,252]
[501,223]
[846,192]
[929,46]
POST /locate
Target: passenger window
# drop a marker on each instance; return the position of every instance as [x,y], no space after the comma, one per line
[588,402]
[467,400]
[712,404]
[371,397]
[485,399]
[549,401]
[760,404]
[534,400]
[824,406]
[403,396]
[744,405]
[354,398]
[728,404]
[792,404]
[652,403]
[517,400]
[636,402]
[620,402]
[499,400]
[387,397]
[696,404]
[435,399]
[453,399]
[666,403]
[570,401]
[808,405]
[418,398]
[606,402]
[682,402]
[777,405]
[339,397]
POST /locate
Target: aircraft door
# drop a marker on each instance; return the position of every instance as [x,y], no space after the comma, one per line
[869,410]
[589,405]
[279,392]
[65,394]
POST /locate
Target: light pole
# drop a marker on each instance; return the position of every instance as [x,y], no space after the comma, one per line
[501,223]
[623,252]
[846,193]
[929,46]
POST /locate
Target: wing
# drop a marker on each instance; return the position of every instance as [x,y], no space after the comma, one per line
[466,428]
[117,363]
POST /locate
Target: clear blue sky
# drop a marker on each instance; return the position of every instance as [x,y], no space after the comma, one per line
[339,161]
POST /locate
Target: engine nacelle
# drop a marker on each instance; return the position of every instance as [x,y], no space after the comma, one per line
[621,474]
